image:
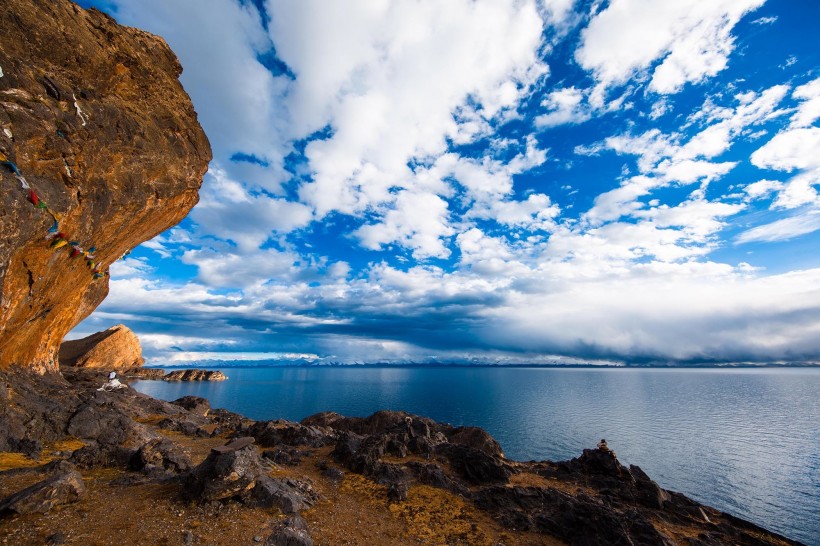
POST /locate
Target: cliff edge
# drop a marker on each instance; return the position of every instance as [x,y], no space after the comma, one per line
[100,150]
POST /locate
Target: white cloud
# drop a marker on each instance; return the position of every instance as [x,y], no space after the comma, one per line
[783,229]
[417,220]
[809,109]
[621,201]
[671,159]
[225,269]
[535,212]
[763,188]
[564,106]
[130,267]
[764,20]
[227,211]
[798,191]
[365,69]
[691,38]
[668,317]
[789,150]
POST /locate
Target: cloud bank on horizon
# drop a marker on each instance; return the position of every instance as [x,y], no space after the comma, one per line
[524,181]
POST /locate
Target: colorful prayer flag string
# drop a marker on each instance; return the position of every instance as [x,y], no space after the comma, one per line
[58,238]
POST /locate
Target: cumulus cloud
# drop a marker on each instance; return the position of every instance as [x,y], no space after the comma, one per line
[809,109]
[564,106]
[790,150]
[365,70]
[416,220]
[691,39]
[378,192]
[227,211]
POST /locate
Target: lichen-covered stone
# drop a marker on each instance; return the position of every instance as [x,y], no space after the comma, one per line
[93,115]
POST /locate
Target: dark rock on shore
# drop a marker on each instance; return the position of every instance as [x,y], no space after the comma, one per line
[288,495]
[33,410]
[281,432]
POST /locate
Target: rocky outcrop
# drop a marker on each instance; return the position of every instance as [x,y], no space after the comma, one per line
[195,375]
[94,120]
[117,348]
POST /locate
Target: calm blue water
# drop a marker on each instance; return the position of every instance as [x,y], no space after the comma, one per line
[746,441]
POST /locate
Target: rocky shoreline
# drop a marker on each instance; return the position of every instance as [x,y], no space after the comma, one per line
[217,477]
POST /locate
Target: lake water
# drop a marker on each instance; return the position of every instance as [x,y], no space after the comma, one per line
[746,441]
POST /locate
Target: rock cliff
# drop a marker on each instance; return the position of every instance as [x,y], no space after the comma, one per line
[114,349]
[101,150]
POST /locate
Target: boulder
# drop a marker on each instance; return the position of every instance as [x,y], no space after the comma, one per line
[285,455]
[194,404]
[195,375]
[34,409]
[63,488]
[229,471]
[649,493]
[290,532]
[288,495]
[476,438]
[397,491]
[477,467]
[161,453]
[117,348]
[96,120]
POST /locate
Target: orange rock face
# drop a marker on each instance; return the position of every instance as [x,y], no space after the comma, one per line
[94,118]
[114,349]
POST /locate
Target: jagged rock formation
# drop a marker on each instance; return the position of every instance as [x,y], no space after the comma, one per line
[117,348]
[94,117]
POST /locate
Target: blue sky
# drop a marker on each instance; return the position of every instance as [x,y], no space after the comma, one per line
[550,181]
